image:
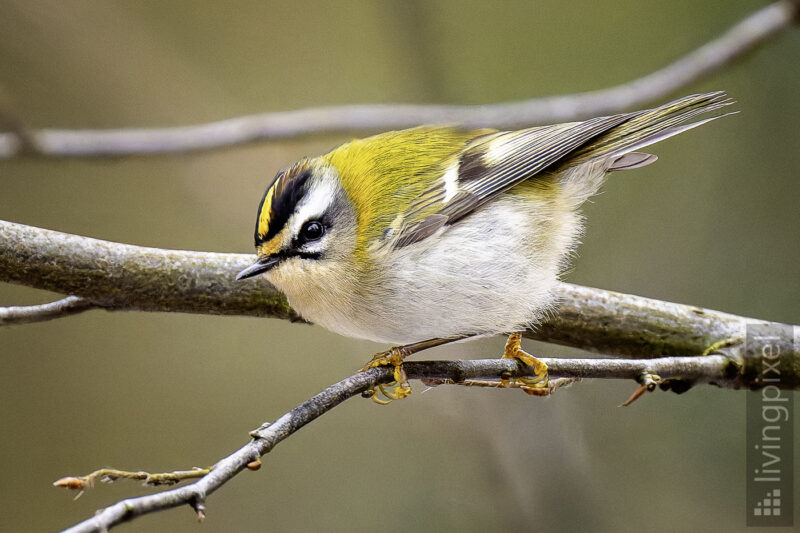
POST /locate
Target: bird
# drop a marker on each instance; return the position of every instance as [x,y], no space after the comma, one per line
[436,233]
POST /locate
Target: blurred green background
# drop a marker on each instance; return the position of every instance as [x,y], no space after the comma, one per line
[713,223]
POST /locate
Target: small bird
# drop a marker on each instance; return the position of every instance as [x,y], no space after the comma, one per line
[443,233]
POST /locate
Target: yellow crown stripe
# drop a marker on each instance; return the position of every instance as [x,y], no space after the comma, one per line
[266,209]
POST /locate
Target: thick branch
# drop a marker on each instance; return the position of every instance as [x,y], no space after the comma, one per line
[122,276]
[126,277]
[743,37]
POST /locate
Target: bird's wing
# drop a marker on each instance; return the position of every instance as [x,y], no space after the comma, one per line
[489,165]
[493,163]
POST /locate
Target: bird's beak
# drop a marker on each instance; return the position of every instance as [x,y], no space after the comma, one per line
[262,264]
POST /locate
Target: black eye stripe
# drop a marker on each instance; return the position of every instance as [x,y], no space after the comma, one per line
[282,256]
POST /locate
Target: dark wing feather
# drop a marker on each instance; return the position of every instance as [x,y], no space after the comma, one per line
[480,179]
[421,230]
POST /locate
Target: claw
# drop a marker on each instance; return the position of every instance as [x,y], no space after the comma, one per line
[393,356]
[537,385]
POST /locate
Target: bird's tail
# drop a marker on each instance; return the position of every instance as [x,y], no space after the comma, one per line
[583,172]
[644,128]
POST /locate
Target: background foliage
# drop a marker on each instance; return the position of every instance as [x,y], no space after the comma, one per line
[713,223]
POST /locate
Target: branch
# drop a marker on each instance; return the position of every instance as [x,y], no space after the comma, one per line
[109,475]
[126,277]
[27,314]
[718,369]
[265,438]
[740,39]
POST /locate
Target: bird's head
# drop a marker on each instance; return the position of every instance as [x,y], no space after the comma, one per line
[304,220]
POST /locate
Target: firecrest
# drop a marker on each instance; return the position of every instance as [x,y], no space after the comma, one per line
[441,233]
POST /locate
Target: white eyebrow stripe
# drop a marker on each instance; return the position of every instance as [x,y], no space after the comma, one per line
[313,205]
[451,182]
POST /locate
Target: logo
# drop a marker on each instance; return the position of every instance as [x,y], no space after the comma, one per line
[770,425]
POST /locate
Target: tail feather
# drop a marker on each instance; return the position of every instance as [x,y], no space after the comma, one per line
[584,171]
[644,128]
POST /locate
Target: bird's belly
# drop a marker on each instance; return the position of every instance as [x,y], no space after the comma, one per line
[491,273]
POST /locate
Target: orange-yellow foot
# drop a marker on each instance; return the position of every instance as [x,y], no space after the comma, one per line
[401,388]
[537,385]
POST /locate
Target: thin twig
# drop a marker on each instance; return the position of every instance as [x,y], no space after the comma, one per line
[741,38]
[108,475]
[27,314]
[265,438]
[13,126]
[708,369]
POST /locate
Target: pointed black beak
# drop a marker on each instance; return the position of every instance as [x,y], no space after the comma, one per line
[262,264]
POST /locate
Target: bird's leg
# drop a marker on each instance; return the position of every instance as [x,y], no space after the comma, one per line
[394,356]
[537,385]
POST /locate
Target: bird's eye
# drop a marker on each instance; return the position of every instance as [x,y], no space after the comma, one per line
[312,231]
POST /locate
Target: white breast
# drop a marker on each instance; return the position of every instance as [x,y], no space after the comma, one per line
[492,272]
